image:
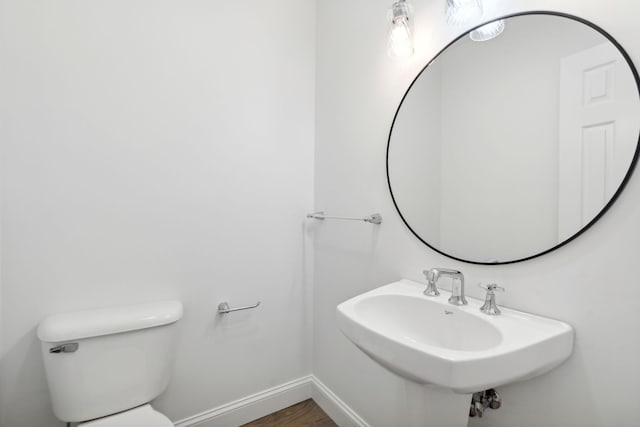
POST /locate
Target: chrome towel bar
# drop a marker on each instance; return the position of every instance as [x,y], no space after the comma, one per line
[223,307]
[375,218]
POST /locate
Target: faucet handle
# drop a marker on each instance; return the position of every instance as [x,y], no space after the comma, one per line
[432,277]
[490,306]
[491,287]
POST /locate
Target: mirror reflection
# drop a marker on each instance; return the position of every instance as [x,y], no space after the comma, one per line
[504,149]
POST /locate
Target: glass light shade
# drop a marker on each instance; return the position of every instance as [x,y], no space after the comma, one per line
[400,30]
[400,34]
[488,31]
[460,12]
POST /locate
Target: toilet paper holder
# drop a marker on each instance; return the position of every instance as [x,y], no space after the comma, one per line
[223,307]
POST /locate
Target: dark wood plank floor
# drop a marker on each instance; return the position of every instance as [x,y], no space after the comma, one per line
[303,414]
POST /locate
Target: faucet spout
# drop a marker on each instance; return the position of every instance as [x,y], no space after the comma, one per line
[457,291]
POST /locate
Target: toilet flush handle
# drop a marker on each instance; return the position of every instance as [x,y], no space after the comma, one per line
[64,348]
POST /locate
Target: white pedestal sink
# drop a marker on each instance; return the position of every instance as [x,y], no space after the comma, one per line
[456,350]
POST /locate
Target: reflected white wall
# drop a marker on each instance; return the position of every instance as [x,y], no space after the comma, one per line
[501,146]
[415,165]
[474,155]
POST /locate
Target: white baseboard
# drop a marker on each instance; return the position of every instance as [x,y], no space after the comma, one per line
[249,408]
[258,405]
[337,410]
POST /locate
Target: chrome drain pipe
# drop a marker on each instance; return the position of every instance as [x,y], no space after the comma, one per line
[482,400]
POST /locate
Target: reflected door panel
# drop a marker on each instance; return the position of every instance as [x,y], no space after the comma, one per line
[597,133]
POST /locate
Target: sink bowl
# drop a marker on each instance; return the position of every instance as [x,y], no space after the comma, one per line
[430,341]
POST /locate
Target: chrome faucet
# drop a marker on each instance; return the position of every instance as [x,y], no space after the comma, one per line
[457,290]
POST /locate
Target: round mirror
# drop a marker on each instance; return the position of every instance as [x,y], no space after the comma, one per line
[505,149]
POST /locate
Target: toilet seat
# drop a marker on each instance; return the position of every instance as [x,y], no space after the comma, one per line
[142,416]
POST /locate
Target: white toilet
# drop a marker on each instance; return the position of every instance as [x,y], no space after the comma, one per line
[104,366]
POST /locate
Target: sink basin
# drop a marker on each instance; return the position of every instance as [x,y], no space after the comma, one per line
[430,341]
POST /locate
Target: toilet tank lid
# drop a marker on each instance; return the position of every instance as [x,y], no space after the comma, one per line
[109,320]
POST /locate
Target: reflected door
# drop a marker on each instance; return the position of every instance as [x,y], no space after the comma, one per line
[597,133]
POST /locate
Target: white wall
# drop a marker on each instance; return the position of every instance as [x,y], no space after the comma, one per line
[153,150]
[590,283]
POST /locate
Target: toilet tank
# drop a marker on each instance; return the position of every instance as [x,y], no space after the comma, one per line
[103,361]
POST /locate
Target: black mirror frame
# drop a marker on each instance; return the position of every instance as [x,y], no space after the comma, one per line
[623,184]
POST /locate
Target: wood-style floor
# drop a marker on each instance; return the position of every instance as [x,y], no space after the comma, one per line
[303,414]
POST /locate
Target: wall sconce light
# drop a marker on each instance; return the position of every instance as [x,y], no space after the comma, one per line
[460,12]
[487,31]
[400,29]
